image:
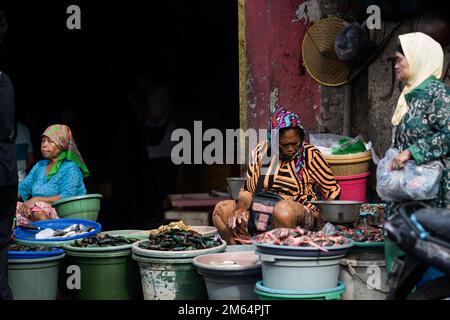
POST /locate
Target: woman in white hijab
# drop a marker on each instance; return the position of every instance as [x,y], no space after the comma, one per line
[421,121]
[422,116]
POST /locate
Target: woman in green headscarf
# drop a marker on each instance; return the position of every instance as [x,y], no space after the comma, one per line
[57,177]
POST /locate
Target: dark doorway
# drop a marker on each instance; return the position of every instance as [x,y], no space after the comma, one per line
[192,45]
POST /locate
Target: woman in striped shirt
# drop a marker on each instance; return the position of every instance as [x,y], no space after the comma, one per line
[299,174]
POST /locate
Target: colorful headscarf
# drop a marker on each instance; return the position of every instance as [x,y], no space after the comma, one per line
[281,119]
[62,137]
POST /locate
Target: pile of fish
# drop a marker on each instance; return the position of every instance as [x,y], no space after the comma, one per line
[103,240]
[362,233]
[302,238]
[178,240]
[73,230]
[33,248]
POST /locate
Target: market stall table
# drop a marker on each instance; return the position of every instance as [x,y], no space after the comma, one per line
[194,208]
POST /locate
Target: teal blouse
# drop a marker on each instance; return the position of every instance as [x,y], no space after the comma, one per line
[67,182]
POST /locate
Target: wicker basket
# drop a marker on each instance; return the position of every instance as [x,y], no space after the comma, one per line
[349,165]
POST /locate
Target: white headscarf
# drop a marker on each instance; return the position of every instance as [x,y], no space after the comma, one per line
[425,58]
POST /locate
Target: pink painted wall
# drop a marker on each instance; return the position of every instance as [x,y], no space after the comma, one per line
[273,40]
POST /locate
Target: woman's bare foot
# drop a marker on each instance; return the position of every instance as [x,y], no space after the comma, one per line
[39,216]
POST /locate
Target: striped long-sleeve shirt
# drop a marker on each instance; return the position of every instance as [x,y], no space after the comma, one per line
[281,177]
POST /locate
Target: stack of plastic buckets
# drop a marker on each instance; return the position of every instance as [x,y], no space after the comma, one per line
[300,273]
[352,173]
[28,237]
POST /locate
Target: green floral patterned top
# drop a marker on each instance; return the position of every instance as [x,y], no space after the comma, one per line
[425,130]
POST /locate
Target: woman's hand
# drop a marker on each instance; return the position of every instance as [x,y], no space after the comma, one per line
[239,215]
[27,206]
[30,203]
[400,160]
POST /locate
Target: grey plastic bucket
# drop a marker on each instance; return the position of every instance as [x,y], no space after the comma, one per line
[365,275]
[234,186]
[34,279]
[238,285]
[235,281]
[300,273]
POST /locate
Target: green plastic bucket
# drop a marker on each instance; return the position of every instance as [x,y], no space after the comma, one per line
[391,252]
[34,279]
[170,279]
[81,207]
[265,293]
[105,275]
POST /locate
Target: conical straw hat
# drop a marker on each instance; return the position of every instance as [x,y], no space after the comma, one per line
[319,56]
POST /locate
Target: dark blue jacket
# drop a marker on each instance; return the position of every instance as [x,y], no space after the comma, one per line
[8,162]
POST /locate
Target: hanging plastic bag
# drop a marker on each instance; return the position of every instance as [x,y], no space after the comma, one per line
[413,182]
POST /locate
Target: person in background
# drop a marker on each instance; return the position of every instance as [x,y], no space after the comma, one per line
[8,170]
[153,106]
[71,118]
[57,177]
[24,150]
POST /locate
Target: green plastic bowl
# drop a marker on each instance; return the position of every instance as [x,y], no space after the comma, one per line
[265,293]
[368,245]
[51,244]
[81,207]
